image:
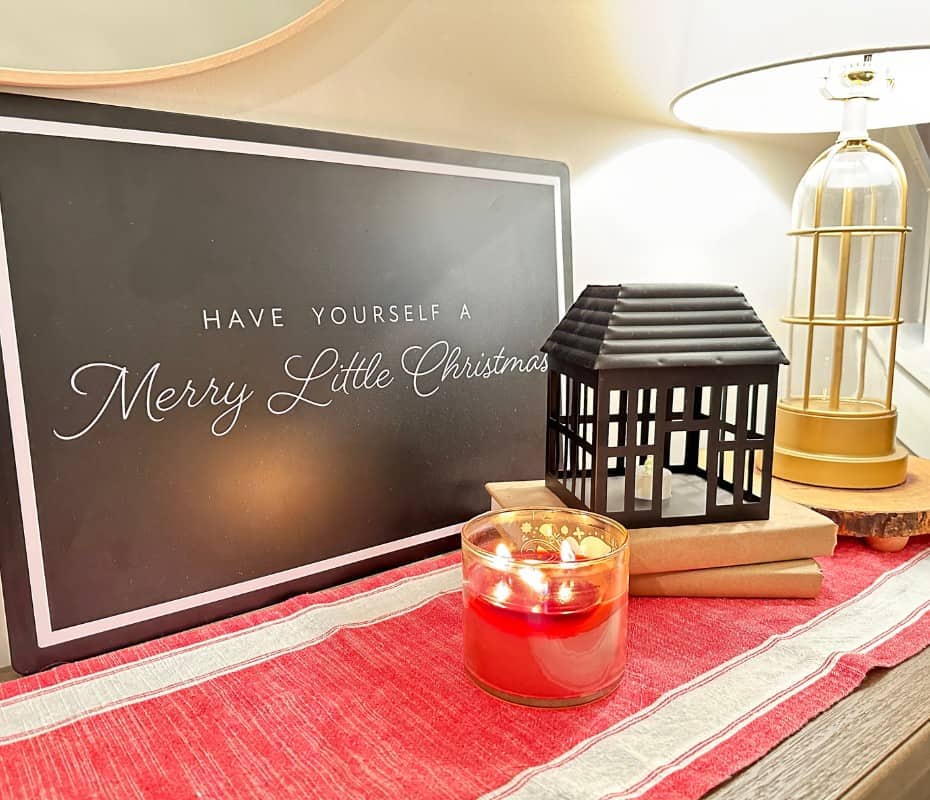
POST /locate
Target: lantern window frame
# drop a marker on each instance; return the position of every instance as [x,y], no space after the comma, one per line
[634,366]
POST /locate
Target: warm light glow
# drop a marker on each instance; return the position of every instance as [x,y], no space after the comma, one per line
[502,556]
[566,552]
[565,593]
[502,551]
[534,578]
[709,208]
[501,592]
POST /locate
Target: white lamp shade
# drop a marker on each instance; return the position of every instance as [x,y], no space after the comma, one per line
[760,67]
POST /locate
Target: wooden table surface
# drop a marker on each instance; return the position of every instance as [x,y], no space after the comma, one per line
[875,743]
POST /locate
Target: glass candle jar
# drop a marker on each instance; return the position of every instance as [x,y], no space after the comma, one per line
[546,604]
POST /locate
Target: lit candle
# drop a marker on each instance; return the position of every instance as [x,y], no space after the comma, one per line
[545,604]
[644,473]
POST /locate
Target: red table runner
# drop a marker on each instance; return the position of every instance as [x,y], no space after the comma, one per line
[359,692]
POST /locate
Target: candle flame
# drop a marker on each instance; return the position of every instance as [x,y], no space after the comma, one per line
[502,556]
[501,592]
[566,551]
[565,593]
[534,578]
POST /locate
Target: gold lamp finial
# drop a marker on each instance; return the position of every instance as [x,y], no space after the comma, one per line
[847,80]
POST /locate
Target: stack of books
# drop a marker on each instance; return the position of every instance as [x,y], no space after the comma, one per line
[766,558]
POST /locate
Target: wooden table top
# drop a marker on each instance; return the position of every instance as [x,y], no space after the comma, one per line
[873,744]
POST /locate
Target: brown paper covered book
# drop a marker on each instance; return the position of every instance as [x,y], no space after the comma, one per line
[795,579]
[791,532]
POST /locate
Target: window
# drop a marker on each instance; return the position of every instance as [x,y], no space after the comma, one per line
[912,372]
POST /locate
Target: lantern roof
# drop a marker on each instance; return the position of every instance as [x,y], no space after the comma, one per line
[637,325]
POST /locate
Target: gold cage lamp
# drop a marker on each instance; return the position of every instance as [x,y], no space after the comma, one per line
[789,68]
[835,422]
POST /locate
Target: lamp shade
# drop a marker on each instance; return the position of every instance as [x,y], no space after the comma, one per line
[761,67]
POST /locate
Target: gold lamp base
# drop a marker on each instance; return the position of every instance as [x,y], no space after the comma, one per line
[850,448]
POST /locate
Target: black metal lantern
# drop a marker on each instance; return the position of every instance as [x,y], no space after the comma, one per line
[661,405]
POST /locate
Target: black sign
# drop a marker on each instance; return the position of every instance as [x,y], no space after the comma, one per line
[243,361]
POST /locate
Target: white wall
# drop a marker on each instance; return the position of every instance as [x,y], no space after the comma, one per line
[650,202]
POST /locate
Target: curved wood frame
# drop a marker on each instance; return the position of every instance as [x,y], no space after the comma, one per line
[65,79]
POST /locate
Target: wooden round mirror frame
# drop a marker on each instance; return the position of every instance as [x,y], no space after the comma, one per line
[66,79]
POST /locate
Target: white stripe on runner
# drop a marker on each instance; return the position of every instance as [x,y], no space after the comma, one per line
[34,713]
[631,757]
[760,710]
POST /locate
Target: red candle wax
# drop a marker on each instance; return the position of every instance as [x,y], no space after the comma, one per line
[547,633]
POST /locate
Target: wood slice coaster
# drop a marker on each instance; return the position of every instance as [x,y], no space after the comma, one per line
[885,518]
